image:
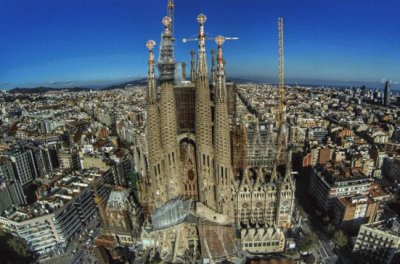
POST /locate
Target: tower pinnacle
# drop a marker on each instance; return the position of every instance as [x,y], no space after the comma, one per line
[166,62]
[201,56]
[203,119]
[152,134]
[220,91]
[222,141]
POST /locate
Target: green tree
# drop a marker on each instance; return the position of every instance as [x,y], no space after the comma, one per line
[310,259]
[18,247]
[330,229]
[14,250]
[340,239]
[308,242]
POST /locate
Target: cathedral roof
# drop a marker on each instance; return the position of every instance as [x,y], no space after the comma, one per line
[119,199]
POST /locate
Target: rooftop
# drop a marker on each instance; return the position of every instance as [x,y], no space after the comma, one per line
[391,226]
[335,172]
[59,195]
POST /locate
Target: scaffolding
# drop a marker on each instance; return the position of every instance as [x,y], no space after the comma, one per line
[185,107]
[239,149]
[261,151]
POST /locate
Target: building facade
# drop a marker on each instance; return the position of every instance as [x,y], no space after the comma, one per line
[330,181]
[379,242]
[123,216]
[50,223]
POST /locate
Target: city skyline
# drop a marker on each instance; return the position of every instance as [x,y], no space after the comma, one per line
[92,43]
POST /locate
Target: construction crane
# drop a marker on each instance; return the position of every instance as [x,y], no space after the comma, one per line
[184,40]
[281,86]
[280,117]
[100,204]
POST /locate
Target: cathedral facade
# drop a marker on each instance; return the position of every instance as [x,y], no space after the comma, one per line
[186,159]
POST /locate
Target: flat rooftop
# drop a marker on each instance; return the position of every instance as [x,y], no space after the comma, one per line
[63,191]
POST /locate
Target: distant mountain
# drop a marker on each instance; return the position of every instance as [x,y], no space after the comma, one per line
[143,82]
[242,81]
[44,89]
[139,82]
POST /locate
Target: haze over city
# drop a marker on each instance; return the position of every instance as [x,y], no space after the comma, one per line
[95,43]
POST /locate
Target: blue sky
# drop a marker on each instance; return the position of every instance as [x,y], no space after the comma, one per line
[83,42]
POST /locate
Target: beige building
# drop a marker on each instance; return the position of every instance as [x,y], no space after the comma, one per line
[264,199]
[69,159]
[89,161]
[379,242]
[261,240]
[351,212]
[123,216]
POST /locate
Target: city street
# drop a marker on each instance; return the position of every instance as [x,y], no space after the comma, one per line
[77,244]
[323,251]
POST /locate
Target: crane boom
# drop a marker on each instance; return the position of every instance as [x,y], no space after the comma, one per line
[281,87]
[280,117]
[184,40]
[100,203]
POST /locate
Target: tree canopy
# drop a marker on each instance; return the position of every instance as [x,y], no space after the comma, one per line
[14,250]
[340,238]
[308,242]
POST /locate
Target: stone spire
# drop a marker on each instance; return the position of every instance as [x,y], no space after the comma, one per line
[201,69]
[168,119]
[286,195]
[158,190]
[274,175]
[205,158]
[213,72]
[192,67]
[220,93]
[288,171]
[222,138]
[151,96]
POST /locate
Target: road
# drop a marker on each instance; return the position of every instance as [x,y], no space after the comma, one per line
[324,249]
[68,257]
[325,252]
